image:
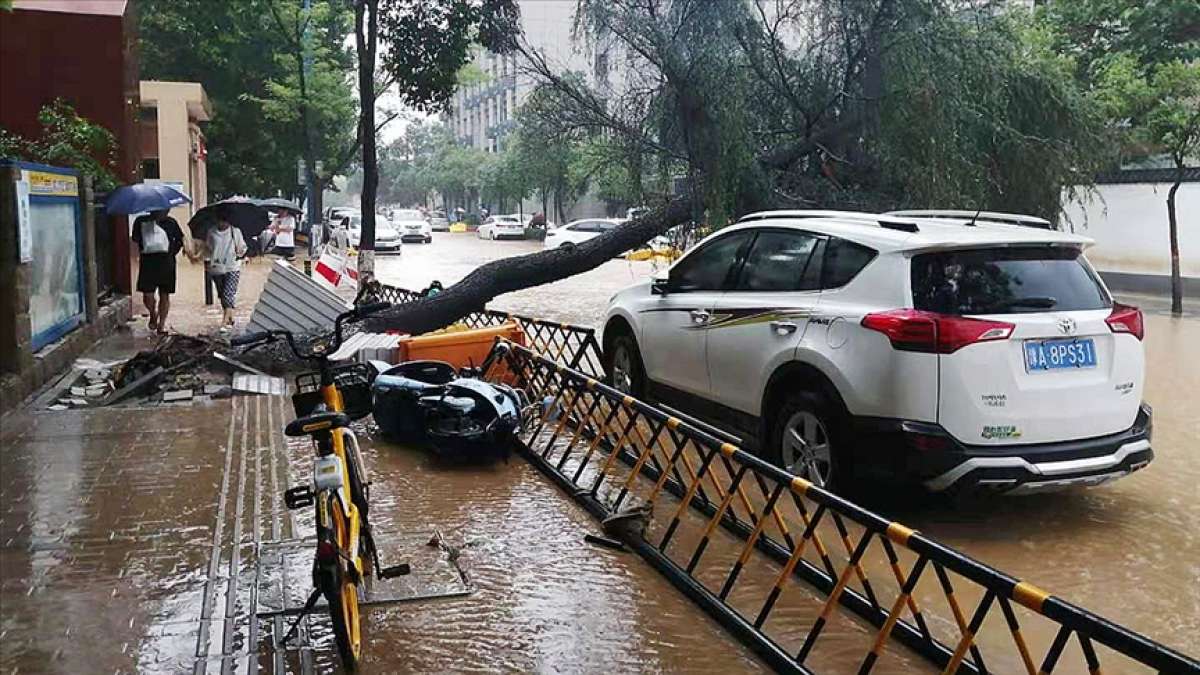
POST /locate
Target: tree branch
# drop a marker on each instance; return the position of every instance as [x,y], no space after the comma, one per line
[495,278]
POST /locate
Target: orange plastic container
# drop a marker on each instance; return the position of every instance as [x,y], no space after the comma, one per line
[460,348]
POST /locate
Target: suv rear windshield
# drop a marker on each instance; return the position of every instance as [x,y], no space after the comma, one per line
[1005,281]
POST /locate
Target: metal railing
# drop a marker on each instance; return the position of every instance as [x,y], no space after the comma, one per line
[735,534]
[771,556]
[575,346]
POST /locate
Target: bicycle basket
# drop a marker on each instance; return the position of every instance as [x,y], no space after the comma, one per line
[353,381]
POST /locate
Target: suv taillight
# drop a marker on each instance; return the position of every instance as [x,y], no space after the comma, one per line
[915,330]
[1126,319]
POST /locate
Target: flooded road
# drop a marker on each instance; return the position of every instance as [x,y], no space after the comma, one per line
[1129,551]
[144,540]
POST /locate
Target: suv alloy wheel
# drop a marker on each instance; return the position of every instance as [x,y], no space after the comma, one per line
[806,440]
[624,367]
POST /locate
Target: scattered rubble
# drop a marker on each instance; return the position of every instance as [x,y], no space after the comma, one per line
[180,370]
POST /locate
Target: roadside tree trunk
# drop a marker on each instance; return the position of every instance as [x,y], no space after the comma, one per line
[534,269]
[366,29]
[1176,278]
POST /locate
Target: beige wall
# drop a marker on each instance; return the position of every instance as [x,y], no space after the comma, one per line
[181,106]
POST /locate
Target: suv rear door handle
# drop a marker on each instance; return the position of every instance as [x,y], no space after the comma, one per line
[783,327]
[700,316]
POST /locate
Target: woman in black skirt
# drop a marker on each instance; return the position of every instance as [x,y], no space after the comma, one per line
[159,240]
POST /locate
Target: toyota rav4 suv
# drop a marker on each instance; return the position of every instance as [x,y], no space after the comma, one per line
[964,351]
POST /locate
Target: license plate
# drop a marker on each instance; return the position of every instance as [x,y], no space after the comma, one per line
[1041,355]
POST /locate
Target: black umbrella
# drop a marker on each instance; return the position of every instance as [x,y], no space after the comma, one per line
[280,204]
[243,214]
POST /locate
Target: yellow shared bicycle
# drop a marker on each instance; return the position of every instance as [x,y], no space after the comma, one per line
[339,490]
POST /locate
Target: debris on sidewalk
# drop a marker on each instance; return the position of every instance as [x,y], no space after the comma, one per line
[259,384]
[177,395]
[179,370]
[237,364]
[292,301]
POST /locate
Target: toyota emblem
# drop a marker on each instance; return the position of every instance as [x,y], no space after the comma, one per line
[1066,325]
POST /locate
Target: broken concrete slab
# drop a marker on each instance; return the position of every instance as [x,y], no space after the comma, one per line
[79,391]
[138,386]
[177,395]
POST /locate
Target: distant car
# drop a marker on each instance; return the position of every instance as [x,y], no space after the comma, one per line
[335,214]
[501,227]
[387,238]
[412,225]
[579,231]
[439,222]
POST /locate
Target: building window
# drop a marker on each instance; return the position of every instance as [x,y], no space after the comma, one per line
[150,168]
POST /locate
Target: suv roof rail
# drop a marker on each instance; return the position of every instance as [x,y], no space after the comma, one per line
[885,220]
[987,216]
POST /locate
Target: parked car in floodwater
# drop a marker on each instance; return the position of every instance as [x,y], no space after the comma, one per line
[387,238]
[579,231]
[963,353]
[501,227]
[412,225]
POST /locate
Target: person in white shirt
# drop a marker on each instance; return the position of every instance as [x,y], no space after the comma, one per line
[225,248]
[284,227]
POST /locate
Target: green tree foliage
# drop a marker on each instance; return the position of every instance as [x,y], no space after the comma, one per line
[1141,60]
[246,63]
[429,42]
[822,103]
[985,117]
[67,140]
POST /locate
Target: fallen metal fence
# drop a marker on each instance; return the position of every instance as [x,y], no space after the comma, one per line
[735,534]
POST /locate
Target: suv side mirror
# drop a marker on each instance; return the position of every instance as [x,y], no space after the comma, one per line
[660,286]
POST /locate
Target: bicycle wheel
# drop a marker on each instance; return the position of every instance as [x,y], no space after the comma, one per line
[341,593]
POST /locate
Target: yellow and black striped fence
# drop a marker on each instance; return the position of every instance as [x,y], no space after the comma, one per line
[810,581]
[776,559]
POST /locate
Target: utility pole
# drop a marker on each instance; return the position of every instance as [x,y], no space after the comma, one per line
[313,189]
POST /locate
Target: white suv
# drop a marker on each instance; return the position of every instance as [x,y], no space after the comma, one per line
[962,351]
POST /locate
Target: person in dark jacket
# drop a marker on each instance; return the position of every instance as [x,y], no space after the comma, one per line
[159,239]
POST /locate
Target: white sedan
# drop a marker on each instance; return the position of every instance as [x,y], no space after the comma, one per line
[579,231]
[412,225]
[501,227]
[386,236]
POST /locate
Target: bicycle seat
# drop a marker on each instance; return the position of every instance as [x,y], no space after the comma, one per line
[316,423]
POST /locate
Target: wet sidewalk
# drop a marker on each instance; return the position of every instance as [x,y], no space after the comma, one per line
[138,540]
[124,532]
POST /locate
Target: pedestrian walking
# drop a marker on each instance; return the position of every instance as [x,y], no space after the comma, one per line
[284,227]
[226,246]
[159,239]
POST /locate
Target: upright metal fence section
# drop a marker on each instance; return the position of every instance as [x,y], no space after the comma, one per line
[789,569]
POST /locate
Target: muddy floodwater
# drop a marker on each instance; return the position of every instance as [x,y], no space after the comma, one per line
[1129,551]
[143,540]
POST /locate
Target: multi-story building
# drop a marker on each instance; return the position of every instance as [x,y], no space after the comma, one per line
[482,113]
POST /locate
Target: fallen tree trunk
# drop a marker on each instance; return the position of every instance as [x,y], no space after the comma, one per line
[512,274]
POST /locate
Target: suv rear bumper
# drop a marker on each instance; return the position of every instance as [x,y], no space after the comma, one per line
[929,455]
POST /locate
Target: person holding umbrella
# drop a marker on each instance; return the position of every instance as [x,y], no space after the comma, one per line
[226,246]
[159,239]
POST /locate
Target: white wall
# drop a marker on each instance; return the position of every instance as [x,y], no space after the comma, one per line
[1129,224]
